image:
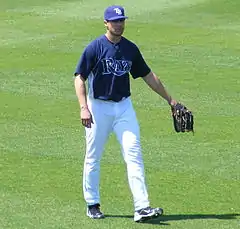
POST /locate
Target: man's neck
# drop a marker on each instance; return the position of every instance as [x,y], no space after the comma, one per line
[112,38]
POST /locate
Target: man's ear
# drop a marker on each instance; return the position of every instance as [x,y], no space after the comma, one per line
[106,24]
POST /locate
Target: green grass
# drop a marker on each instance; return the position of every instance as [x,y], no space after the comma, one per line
[193,45]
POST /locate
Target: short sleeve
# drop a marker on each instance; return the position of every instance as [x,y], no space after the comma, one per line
[139,66]
[86,62]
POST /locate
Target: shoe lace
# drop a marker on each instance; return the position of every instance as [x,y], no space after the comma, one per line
[145,209]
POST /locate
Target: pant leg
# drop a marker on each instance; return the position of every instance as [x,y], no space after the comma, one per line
[96,137]
[126,128]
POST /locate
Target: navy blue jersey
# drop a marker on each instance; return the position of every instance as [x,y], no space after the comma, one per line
[107,67]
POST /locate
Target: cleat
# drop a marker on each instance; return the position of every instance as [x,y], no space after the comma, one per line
[93,212]
[147,213]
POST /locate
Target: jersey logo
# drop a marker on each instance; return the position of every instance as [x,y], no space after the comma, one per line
[116,67]
[118,11]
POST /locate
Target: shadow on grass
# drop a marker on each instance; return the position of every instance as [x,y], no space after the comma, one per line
[163,220]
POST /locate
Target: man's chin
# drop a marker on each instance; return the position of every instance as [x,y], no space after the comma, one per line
[120,33]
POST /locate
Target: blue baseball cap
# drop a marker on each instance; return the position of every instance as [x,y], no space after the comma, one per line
[114,13]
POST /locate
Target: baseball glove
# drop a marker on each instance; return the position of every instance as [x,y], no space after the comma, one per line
[182,118]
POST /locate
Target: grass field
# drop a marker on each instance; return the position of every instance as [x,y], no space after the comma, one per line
[194,47]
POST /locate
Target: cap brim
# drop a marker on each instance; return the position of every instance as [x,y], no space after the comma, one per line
[116,18]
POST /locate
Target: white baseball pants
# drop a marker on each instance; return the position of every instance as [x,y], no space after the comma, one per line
[119,118]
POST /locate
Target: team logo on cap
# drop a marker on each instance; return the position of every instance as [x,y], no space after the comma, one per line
[118,11]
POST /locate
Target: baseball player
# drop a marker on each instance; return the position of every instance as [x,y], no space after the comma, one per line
[106,107]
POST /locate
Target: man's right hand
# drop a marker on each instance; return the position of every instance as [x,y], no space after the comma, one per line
[86,117]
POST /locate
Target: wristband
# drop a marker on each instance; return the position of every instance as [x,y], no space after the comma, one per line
[83,107]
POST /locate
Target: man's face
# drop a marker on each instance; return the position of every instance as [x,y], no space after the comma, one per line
[115,27]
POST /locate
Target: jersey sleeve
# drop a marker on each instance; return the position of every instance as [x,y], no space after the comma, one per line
[139,66]
[86,62]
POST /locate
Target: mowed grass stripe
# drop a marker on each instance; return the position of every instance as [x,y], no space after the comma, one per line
[26,126]
[58,202]
[62,10]
[92,9]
